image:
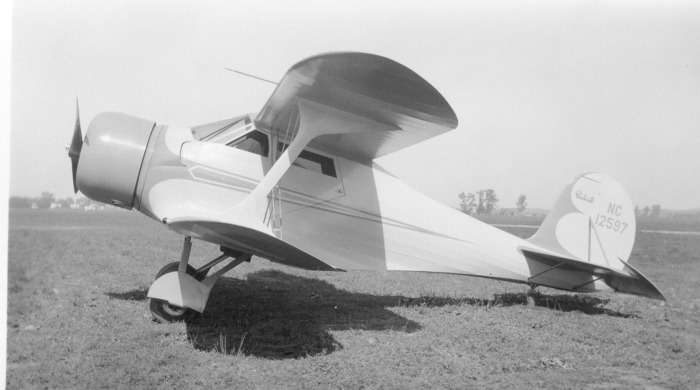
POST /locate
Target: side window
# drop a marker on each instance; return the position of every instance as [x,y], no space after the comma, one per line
[313,162]
[253,142]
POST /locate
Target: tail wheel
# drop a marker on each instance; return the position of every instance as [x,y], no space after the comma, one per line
[163,311]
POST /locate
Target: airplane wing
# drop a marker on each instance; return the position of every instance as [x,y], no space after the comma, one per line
[396,106]
[358,106]
[248,240]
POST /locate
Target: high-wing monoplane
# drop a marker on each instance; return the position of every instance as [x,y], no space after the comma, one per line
[298,184]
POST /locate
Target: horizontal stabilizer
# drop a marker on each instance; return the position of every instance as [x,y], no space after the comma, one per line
[628,280]
[639,285]
[249,240]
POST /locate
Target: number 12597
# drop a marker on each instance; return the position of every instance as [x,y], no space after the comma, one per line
[611,223]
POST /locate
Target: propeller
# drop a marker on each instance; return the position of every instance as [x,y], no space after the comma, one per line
[76,145]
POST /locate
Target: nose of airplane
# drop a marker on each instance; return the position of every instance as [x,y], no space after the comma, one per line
[107,163]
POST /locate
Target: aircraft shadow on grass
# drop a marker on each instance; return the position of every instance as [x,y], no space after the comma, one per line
[276,315]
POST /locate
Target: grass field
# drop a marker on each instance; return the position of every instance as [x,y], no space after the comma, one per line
[78,317]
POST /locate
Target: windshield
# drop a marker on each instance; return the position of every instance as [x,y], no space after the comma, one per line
[223,131]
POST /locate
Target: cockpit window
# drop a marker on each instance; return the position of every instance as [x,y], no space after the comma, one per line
[253,142]
[313,161]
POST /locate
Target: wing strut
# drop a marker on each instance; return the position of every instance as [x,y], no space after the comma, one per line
[315,119]
[275,199]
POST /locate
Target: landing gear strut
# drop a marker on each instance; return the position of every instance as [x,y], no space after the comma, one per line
[180,292]
[163,311]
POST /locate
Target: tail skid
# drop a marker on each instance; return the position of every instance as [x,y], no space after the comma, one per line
[591,230]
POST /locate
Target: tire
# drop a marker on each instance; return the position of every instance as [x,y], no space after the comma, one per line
[163,311]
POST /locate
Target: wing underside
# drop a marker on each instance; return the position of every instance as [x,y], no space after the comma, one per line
[249,240]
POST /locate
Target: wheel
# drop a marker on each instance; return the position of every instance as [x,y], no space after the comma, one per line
[163,311]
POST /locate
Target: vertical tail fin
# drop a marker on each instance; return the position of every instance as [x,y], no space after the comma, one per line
[591,229]
[593,220]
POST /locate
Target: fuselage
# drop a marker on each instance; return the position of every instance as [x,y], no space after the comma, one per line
[350,215]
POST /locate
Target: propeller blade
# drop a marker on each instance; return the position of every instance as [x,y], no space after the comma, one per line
[75,146]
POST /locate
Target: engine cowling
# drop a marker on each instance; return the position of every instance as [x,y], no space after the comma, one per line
[111,158]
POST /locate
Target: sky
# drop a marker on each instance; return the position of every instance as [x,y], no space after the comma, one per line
[544,91]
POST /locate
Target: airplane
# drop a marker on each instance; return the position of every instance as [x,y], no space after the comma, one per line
[298,184]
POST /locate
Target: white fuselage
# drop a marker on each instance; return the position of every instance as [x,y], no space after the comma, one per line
[359,218]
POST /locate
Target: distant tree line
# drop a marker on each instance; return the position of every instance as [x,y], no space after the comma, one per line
[24,202]
[653,212]
[483,202]
[45,201]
